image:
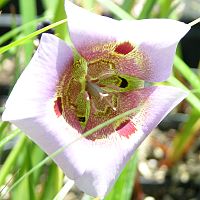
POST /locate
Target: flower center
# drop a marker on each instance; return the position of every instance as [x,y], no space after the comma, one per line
[81,92]
[89,93]
[101,101]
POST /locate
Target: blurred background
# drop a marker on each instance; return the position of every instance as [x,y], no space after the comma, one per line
[166,166]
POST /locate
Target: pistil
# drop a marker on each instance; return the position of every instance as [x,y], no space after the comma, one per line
[94,90]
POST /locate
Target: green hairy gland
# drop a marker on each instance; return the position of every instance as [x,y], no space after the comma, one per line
[93,89]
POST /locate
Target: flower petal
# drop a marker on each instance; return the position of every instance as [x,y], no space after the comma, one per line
[87,28]
[156,40]
[51,133]
[158,105]
[38,82]
[108,157]
[31,104]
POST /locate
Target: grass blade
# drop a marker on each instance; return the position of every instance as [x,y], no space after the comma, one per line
[9,163]
[9,137]
[12,33]
[52,179]
[61,31]
[146,11]
[25,190]
[128,5]
[28,13]
[187,73]
[165,6]
[30,36]
[3,126]
[192,99]
[185,137]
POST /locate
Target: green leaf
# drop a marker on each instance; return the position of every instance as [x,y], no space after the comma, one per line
[25,190]
[191,98]
[128,5]
[165,6]
[28,13]
[9,137]
[52,185]
[147,8]
[11,159]
[186,135]
[3,126]
[123,188]
[115,9]
[61,31]
[22,190]
[37,155]
[3,3]
[187,73]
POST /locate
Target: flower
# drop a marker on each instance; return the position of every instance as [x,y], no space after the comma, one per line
[59,96]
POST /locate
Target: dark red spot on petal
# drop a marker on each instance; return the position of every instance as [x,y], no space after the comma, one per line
[126,128]
[58,107]
[124,48]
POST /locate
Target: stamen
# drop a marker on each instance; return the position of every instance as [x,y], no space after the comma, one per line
[107,75]
[103,94]
[95,90]
[110,104]
[93,106]
[114,87]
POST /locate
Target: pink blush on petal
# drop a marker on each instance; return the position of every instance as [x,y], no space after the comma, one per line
[126,129]
[58,107]
[124,48]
